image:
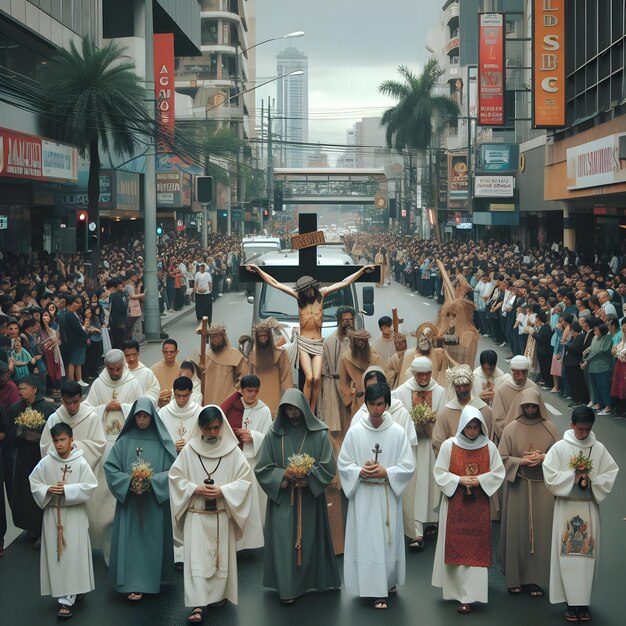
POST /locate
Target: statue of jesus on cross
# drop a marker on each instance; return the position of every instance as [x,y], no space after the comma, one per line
[310,297]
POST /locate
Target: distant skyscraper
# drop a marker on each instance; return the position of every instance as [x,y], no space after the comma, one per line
[293,105]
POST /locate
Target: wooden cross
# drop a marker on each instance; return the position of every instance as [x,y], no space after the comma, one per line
[377,450]
[396,321]
[66,470]
[246,423]
[307,263]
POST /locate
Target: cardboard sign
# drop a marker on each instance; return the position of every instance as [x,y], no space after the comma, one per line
[308,240]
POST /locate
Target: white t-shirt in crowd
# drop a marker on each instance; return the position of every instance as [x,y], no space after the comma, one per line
[202,280]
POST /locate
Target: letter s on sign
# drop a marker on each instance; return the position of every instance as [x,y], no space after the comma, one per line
[548,84]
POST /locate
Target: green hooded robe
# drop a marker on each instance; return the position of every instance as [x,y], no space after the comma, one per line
[141,558]
[283,439]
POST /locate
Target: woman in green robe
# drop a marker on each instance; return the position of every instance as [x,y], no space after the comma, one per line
[290,516]
[142,550]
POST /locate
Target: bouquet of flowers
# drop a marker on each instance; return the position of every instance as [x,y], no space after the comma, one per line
[141,476]
[424,419]
[581,464]
[300,465]
[29,419]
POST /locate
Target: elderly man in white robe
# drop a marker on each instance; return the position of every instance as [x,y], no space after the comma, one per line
[61,484]
[211,499]
[400,416]
[422,389]
[111,395]
[375,466]
[576,530]
[149,383]
[469,471]
[87,428]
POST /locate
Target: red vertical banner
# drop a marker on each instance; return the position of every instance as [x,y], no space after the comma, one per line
[164,79]
[491,69]
[548,63]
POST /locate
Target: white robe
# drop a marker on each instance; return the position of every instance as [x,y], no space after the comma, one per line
[73,573]
[374,558]
[401,417]
[147,381]
[87,431]
[257,419]
[427,493]
[571,575]
[481,381]
[181,423]
[101,507]
[461,582]
[210,572]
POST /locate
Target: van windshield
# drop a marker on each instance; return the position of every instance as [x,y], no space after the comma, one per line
[275,303]
[252,252]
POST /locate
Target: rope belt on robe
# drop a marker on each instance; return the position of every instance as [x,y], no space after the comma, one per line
[298,502]
[531,519]
[217,522]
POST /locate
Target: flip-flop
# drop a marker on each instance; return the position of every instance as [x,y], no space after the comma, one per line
[571,615]
[380,604]
[584,615]
[535,591]
[464,608]
[196,616]
[64,611]
[134,596]
[515,590]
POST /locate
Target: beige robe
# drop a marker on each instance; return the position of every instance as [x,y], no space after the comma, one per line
[330,408]
[101,506]
[393,370]
[386,348]
[275,379]
[209,539]
[351,377]
[505,407]
[224,370]
[527,504]
[166,374]
[88,433]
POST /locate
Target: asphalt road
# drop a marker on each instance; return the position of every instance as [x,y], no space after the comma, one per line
[416,603]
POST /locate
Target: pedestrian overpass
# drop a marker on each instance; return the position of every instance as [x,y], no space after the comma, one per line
[324,185]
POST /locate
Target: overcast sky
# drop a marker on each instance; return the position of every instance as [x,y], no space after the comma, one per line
[352,46]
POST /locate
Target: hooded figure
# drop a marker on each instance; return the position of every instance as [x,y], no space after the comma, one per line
[209,529]
[293,518]
[527,504]
[142,553]
[468,471]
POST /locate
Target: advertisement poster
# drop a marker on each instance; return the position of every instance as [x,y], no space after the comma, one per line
[458,179]
[491,74]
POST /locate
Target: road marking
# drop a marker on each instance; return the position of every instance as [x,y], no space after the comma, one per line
[552,409]
[233,302]
[426,303]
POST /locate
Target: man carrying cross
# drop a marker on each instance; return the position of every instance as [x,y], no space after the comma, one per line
[375,466]
[310,297]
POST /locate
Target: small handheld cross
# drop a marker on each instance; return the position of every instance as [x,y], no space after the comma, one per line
[377,450]
[181,432]
[66,470]
[246,423]
[139,452]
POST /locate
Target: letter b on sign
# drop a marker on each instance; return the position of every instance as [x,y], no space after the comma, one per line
[204,189]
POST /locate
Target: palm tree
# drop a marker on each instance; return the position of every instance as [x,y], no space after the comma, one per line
[95,101]
[410,122]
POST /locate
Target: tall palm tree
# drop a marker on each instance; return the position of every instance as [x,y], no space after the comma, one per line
[410,122]
[95,101]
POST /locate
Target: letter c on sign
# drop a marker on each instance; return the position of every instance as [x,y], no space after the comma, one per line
[548,84]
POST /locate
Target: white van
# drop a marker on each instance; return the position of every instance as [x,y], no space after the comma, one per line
[253,247]
[270,302]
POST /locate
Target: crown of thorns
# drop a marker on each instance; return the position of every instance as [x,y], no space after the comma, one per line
[305,282]
[263,327]
[359,334]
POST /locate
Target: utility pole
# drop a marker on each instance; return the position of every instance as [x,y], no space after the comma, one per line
[270,165]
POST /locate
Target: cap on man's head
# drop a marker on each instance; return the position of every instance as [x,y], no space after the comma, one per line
[421,364]
[520,362]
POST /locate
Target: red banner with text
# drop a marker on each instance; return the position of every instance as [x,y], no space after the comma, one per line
[491,70]
[164,80]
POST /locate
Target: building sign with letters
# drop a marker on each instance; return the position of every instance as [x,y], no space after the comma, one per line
[596,163]
[494,186]
[491,74]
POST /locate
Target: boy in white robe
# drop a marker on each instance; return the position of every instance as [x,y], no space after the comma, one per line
[189,369]
[210,498]
[61,483]
[460,567]
[145,376]
[576,522]
[375,466]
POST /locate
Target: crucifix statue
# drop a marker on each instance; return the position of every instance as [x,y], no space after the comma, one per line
[307,277]
[377,450]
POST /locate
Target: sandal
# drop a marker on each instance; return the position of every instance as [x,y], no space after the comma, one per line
[571,615]
[196,616]
[584,615]
[417,544]
[393,590]
[134,596]
[535,591]
[64,611]
[464,608]
[515,590]
[381,603]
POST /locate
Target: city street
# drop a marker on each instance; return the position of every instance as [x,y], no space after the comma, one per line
[416,603]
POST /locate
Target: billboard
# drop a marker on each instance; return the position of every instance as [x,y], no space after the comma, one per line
[548,86]
[164,79]
[458,179]
[491,69]
[497,158]
[494,186]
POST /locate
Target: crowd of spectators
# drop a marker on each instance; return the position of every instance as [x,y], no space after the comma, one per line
[565,311]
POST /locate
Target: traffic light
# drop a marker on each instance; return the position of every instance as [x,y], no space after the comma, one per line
[278,198]
[266,213]
[160,230]
[393,207]
[204,189]
[82,219]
